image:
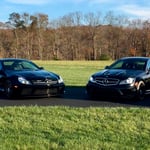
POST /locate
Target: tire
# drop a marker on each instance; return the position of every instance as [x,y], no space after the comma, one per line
[140,91]
[8,89]
[89,93]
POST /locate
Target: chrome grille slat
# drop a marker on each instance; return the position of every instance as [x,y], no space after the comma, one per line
[44,82]
[107,81]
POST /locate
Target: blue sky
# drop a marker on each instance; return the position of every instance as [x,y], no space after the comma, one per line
[58,8]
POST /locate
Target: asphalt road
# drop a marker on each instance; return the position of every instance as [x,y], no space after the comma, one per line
[73,97]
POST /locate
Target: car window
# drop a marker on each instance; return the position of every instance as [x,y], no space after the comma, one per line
[134,64]
[129,64]
[19,65]
[140,65]
[116,65]
[0,66]
[29,65]
[148,65]
[8,65]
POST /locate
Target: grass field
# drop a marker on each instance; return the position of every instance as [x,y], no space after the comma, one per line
[74,73]
[64,128]
[68,128]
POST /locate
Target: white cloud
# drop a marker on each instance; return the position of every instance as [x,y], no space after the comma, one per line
[97,2]
[29,2]
[138,11]
[38,2]
[56,1]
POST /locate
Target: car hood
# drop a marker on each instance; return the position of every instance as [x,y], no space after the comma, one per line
[34,74]
[118,73]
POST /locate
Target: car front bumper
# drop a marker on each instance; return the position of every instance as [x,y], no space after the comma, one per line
[124,91]
[39,91]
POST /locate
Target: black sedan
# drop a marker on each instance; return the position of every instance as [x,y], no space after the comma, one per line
[22,77]
[128,77]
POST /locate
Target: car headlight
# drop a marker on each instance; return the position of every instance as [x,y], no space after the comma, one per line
[22,80]
[128,81]
[60,80]
[92,79]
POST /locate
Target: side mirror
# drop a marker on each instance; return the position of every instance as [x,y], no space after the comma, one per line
[107,67]
[41,68]
[1,76]
[1,72]
[148,70]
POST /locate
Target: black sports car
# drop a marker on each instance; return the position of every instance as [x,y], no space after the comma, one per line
[22,77]
[128,77]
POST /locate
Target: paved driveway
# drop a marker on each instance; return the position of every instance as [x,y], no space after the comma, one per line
[74,97]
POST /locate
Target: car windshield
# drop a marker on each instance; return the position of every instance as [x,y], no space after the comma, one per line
[129,64]
[19,65]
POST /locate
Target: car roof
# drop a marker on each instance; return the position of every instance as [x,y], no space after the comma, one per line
[139,57]
[7,59]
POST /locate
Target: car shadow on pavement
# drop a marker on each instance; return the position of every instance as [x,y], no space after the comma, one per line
[75,92]
[79,93]
[75,96]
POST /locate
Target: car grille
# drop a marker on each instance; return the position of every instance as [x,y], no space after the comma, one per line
[107,81]
[44,82]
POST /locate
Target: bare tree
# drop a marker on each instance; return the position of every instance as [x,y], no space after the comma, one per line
[92,21]
[74,36]
[16,22]
[39,25]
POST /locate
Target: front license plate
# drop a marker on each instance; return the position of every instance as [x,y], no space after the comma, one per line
[40,92]
[52,91]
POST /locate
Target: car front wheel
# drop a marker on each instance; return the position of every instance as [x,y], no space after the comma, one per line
[8,89]
[140,91]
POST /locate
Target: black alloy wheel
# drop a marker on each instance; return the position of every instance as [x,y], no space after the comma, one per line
[140,91]
[8,89]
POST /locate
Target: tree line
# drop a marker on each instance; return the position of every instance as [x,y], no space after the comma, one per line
[75,36]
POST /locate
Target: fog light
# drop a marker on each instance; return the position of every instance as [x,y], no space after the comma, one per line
[15,86]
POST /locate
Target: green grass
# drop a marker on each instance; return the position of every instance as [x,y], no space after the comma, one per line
[69,128]
[74,73]
[65,128]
